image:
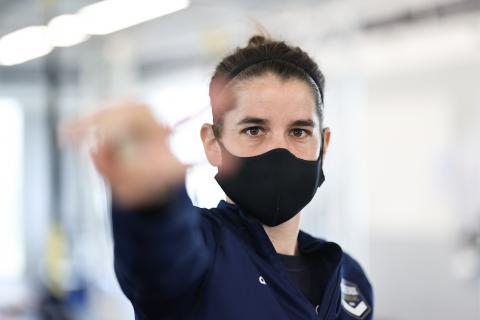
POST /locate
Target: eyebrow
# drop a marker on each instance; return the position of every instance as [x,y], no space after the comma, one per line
[303,123]
[297,123]
[252,120]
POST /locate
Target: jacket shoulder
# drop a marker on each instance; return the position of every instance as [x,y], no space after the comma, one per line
[212,225]
[351,269]
[210,218]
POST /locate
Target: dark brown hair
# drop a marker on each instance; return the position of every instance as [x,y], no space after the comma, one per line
[263,55]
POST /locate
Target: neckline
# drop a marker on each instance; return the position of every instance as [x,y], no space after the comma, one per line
[317,250]
[294,263]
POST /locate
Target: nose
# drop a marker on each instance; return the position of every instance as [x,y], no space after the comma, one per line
[279,141]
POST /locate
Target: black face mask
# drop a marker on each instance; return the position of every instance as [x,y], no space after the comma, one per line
[272,187]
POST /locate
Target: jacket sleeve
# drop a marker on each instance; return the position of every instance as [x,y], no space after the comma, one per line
[160,254]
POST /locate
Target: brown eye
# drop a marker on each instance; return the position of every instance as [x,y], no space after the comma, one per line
[252,131]
[299,133]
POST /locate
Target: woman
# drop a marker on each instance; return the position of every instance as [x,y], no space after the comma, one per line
[246,258]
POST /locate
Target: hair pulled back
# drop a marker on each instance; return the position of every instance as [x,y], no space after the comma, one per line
[263,55]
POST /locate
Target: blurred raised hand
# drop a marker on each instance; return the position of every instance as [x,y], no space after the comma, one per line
[131,151]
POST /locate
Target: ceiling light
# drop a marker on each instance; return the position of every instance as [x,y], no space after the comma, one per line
[24,45]
[66,30]
[108,16]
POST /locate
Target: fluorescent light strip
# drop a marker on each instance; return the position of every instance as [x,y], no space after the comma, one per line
[23,45]
[100,18]
[113,15]
[66,30]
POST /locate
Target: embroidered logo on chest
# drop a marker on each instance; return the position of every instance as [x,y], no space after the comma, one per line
[353,301]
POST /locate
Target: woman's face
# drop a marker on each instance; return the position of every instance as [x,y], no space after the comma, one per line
[271,113]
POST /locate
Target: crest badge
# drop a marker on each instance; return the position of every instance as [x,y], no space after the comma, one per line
[353,301]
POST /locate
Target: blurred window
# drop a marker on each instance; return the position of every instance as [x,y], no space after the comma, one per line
[11,154]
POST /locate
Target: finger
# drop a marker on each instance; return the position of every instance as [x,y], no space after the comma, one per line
[74,131]
[104,161]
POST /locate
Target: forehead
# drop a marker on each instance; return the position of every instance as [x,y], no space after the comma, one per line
[270,97]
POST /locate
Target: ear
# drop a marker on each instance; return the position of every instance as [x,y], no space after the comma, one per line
[210,145]
[326,140]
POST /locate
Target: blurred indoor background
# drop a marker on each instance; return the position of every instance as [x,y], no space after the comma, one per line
[402,193]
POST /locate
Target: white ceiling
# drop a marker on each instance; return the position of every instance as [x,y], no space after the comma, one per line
[209,27]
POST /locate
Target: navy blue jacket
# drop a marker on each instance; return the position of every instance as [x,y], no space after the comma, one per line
[178,261]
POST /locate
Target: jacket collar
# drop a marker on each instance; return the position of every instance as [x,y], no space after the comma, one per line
[329,255]
[308,245]
[321,252]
